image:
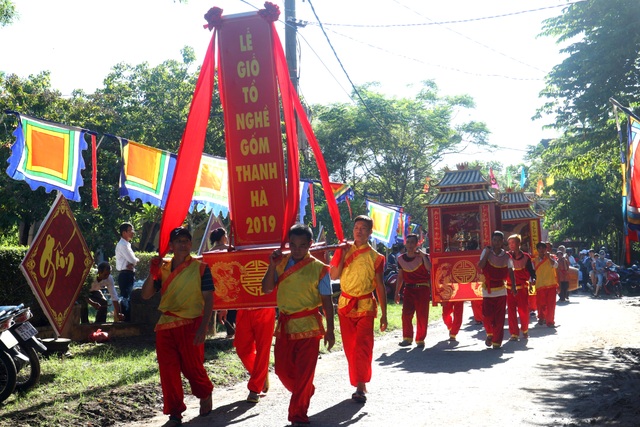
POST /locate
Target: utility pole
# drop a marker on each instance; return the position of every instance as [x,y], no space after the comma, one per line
[290,37]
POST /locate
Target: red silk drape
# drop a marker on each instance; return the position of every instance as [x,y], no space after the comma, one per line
[190,151]
[313,143]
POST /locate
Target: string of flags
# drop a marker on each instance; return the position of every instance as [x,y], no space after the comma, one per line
[49,155]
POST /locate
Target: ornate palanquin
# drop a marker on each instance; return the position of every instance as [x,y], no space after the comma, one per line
[462,218]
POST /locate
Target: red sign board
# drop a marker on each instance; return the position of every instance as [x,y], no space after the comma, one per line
[253,130]
[456,277]
[237,277]
[57,263]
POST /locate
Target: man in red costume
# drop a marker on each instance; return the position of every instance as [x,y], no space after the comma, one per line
[302,284]
[452,317]
[496,265]
[186,303]
[413,272]
[359,268]
[253,335]
[546,284]
[518,305]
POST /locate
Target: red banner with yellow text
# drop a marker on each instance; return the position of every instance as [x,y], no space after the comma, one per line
[253,130]
[57,263]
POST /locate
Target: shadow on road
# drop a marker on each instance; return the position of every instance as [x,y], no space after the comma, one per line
[595,386]
[341,414]
[230,414]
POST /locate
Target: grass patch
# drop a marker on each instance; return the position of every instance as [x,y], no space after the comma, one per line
[118,381]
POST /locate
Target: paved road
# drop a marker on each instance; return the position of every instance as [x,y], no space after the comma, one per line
[557,377]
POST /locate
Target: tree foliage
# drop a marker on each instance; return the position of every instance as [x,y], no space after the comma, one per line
[602,41]
[7,12]
[141,103]
[387,147]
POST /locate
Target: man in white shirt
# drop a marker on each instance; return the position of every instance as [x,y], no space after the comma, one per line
[126,265]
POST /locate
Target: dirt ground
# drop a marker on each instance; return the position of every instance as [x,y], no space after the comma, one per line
[585,372]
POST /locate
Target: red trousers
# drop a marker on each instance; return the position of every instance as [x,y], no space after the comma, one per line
[416,300]
[177,354]
[357,342]
[476,306]
[533,302]
[452,316]
[295,366]
[547,304]
[254,332]
[493,313]
[518,305]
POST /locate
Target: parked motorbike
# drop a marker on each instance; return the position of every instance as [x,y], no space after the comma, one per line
[630,280]
[8,374]
[390,280]
[612,283]
[25,353]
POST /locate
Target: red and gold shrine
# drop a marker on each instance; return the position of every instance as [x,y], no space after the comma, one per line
[462,218]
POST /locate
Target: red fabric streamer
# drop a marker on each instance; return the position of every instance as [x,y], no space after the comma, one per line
[313,143]
[94,172]
[190,151]
[293,161]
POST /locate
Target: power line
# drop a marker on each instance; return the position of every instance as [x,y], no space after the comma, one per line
[461,21]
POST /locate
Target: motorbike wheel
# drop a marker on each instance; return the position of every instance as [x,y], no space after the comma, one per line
[7,376]
[29,374]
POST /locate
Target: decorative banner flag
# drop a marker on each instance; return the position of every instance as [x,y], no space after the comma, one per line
[509,178]
[385,222]
[146,173]
[633,174]
[342,192]
[48,155]
[492,179]
[57,264]
[212,186]
[253,131]
[304,198]
[539,188]
[523,177]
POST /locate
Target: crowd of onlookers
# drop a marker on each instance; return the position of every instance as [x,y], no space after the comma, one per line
[593,268]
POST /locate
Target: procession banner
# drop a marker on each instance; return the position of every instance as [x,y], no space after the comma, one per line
[385,222]
[455,278]
[57,264]
[238,276]
[252,129]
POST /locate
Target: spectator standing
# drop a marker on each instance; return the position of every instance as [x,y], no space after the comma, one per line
[126,262]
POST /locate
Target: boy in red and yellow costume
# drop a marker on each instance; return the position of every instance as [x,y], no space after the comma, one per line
[546,285]
[359,268]
[302,284]
[497,266]
[413,272]
[186,303]
[518,305]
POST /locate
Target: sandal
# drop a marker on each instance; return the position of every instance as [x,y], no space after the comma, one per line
[359,397]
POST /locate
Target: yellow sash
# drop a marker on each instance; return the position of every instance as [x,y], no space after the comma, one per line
[357,280]
[181,300]
[298,292]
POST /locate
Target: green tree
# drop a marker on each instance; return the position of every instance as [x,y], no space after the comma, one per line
[388,147]
[602,41]
[7,12]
